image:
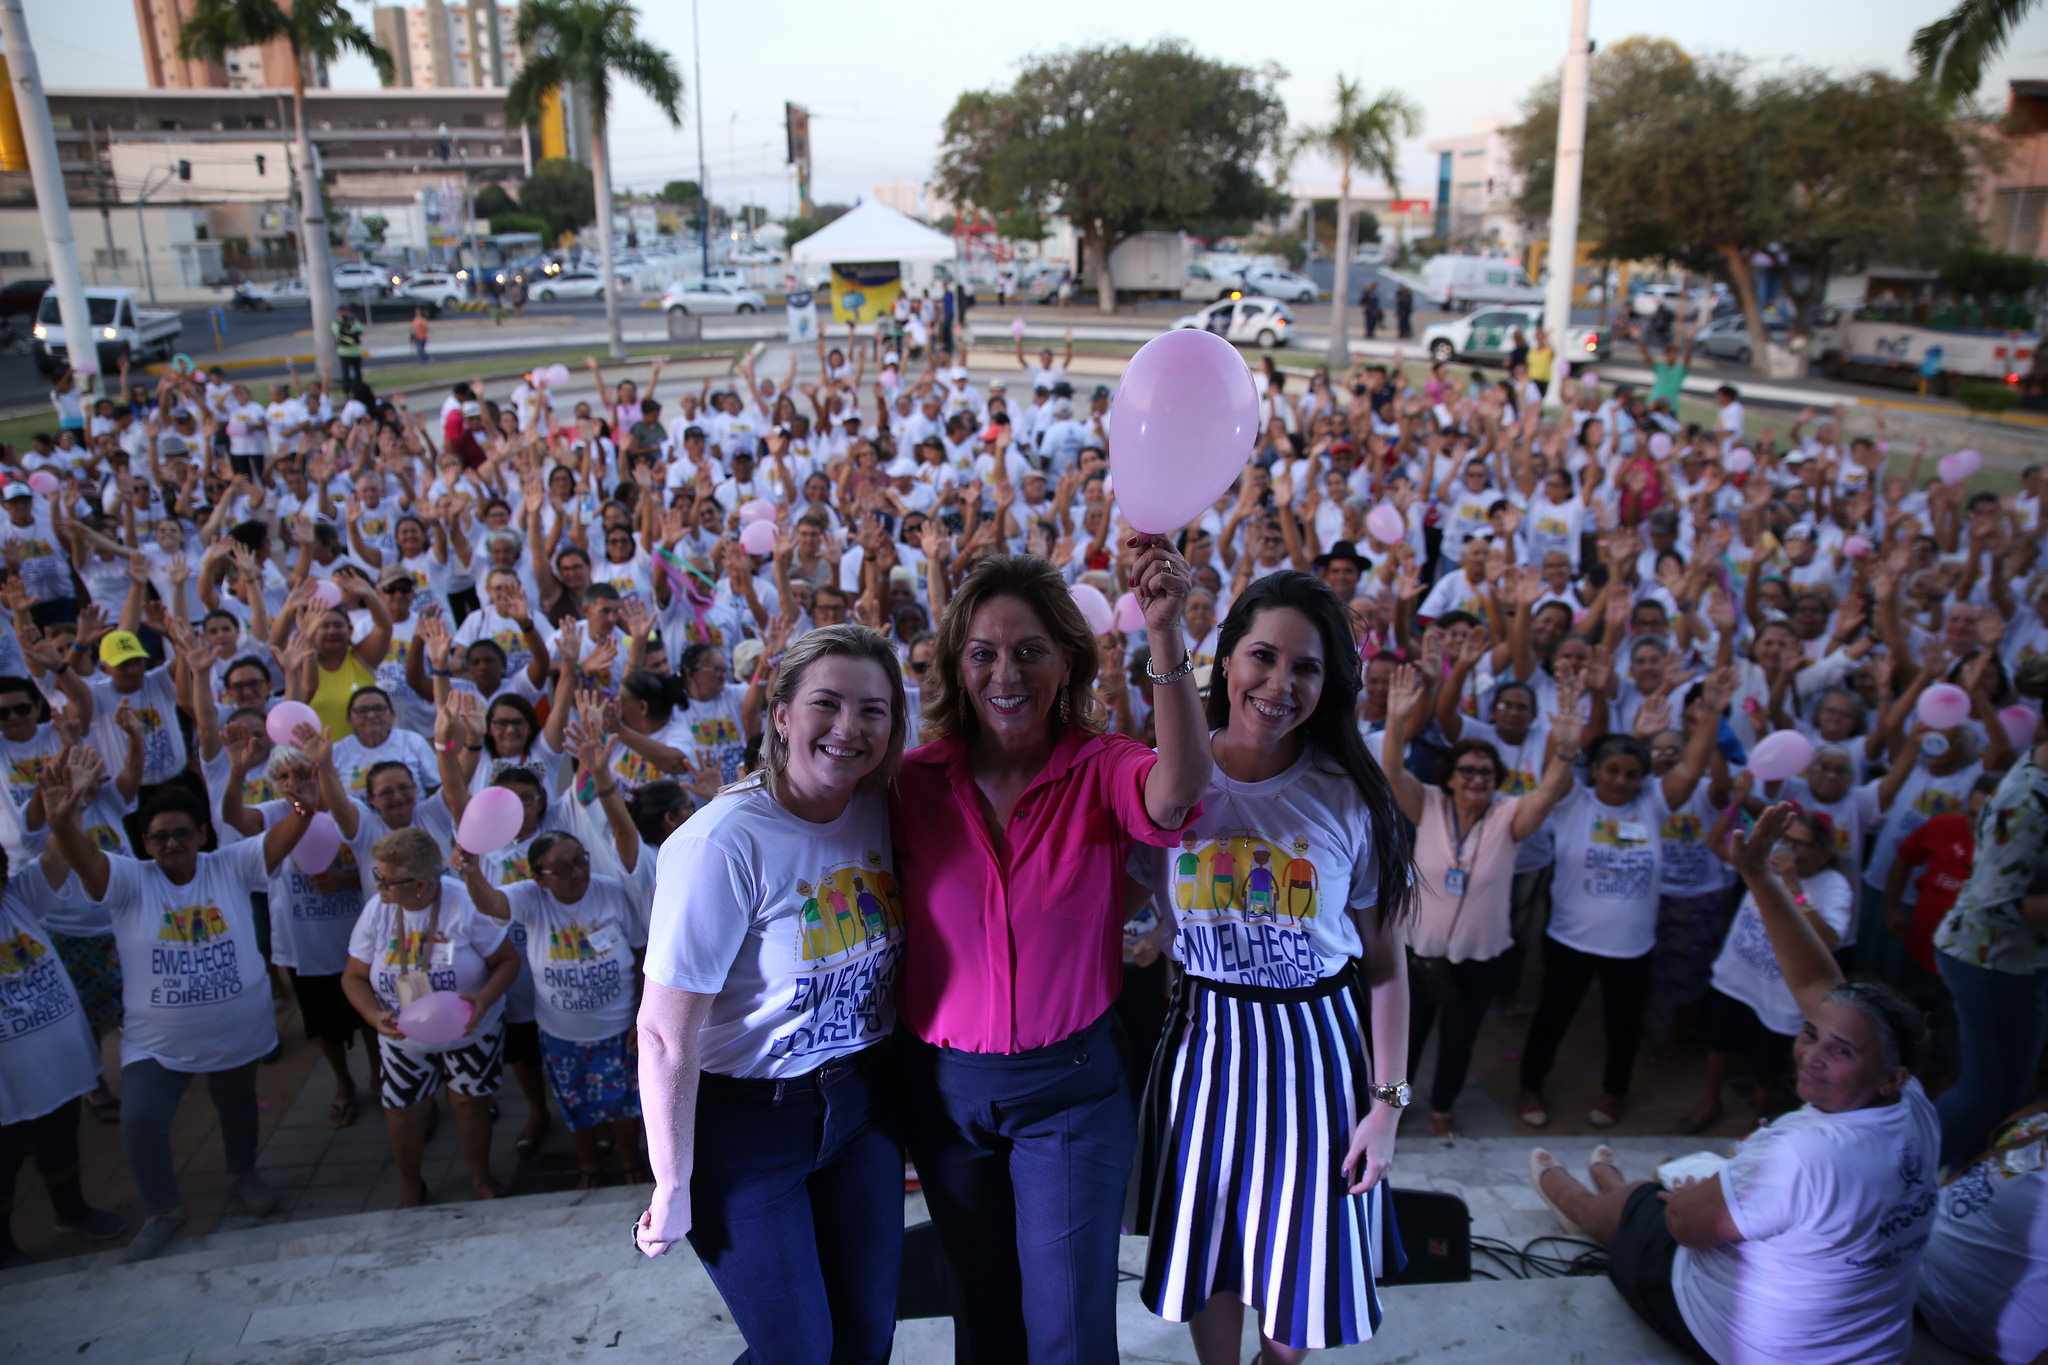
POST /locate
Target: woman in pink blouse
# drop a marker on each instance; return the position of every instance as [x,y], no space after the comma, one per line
[1011,826]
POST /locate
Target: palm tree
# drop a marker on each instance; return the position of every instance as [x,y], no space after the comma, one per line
[318,32]
[1953,51]
[1362,136]
[581,44]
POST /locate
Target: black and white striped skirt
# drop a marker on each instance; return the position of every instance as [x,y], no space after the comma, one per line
[1249,1111]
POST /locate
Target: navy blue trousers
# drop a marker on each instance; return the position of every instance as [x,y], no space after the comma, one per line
[1024,1160]
[796,1210]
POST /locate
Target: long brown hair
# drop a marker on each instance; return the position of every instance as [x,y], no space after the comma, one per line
[1038,585]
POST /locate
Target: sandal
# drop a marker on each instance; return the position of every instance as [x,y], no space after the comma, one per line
[1535,1115]
[1603,1115]
[1539,1162]
[1603,1155]
[1698,1121]
[341,1113]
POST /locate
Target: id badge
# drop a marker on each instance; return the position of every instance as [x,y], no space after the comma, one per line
[413,986]
[441,956]
[1454,881]
[602,941]
[1632,831]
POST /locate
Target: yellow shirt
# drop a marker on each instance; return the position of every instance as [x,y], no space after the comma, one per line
[330,699]
[1540,361]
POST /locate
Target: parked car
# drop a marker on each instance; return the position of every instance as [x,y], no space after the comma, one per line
[120,329]
[1454,280]
[709,296]
[21,298]
[354,276]
[1648,297]
[756,255]
[1489,334]
[1727,338]
[1369,253]
[433,286]
[577,282]
[1201,283]
[1280,284]
[1266,323]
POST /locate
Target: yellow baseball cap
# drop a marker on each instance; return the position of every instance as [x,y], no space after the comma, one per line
[119,647]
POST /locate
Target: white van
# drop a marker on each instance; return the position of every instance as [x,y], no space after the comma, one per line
[1455,282]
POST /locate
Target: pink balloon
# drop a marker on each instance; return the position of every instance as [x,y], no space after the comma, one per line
[491,821]
[314,853]
[558,374]
[1185,420]
[1386,524]
[1095,608]
[287,716]
[437,1018]
[325,594]
[1660,444]
[758,509]
[1943,706]
[1968,460]
[758,537]
[237,430]
[1780,755]
[1856,547]
[1017,329]
[1129,615]
[1951,470]
[43,481]
[2020,725]
[1739,460]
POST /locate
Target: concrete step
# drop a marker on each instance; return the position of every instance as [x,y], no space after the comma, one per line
[555,1278]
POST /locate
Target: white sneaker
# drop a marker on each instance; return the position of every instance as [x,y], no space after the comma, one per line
[155,1234]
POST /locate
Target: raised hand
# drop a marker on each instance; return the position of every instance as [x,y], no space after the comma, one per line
[1750,854]
[1405,692]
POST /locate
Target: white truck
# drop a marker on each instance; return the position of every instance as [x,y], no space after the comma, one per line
[1456,282]
[119,327]
[1158,265]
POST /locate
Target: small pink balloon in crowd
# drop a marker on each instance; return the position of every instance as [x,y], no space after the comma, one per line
[758,509]
[326,594]
[1660,444]
[1185,420]
[1739,460]
[286,717]
[1856,547]
[558,375]
[758,537]
[1943,706]
[237,430]
[1386,524]
[437,1018]
[1950,470]
[1780,755]
[1130,616]
[2020,726]
[1017,329]
[314,853]
[1968,460]
[43,482]
[1095,608]
[491,820]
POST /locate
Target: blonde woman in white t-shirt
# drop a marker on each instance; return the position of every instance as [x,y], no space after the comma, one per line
[776,933]
[1805,1245]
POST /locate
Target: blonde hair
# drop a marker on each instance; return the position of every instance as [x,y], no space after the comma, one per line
[1038,585]
[412,851]
[833,642]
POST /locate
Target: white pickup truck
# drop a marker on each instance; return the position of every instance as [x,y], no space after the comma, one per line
[119,326]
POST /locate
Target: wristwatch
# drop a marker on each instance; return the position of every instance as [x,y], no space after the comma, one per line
[1395,1096]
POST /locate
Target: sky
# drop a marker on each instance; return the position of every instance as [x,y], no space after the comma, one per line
[879,79]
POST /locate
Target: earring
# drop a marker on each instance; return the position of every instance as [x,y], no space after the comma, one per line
[1066,707]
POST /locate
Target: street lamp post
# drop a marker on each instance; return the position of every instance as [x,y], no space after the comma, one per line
[1564,194]
[703,194]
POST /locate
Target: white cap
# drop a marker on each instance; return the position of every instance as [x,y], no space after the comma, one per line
[958,372]
[902,467]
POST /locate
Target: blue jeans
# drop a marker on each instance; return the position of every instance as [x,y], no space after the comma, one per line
[796,1207]
[1025,1159]
[2002,1023]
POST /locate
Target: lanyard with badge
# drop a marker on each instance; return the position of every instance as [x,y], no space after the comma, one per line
[416,982]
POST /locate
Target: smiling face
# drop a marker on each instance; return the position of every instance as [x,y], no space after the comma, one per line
[172,839]
[564,871]
[835,729]
[1840,1057]
[370,716]
[17,715]
[392,794]
[1617,778]
[1275,675]
[1829,776]
[1012,671]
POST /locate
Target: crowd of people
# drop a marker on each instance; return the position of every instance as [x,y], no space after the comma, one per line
[886,796]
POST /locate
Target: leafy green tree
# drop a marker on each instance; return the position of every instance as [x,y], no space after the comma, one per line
[1117,140]
[318,32]
[375,225]
[803,226]
[1362,134]
[1973,272]
[586,44]
[1952,52]
[520,222]
[1023,226]
[559,194]
[1696,164]
[682,193]
[493,199]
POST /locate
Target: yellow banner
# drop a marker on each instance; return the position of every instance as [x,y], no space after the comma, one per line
[864,291]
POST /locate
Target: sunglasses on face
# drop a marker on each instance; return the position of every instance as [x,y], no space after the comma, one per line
[1473,772]
[917,666]
[18,712]
[165,838]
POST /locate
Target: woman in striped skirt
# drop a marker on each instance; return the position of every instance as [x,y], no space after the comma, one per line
[1266,1133]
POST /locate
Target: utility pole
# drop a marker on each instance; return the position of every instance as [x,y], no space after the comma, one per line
[703,191]
[47,175]
[99,176]
[1564,193]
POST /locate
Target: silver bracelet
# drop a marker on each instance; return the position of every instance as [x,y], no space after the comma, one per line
[1187,666]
